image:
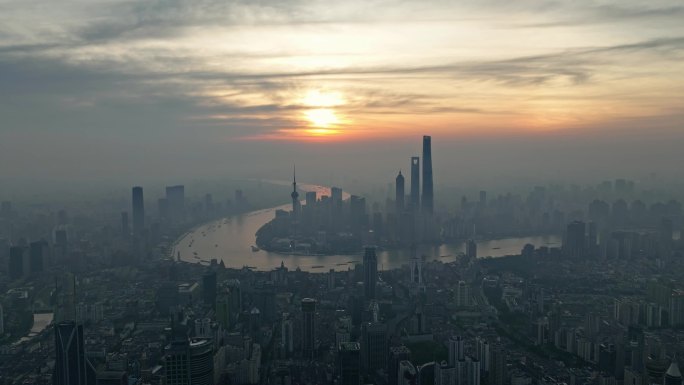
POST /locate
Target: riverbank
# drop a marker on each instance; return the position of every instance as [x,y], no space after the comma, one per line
[232,243]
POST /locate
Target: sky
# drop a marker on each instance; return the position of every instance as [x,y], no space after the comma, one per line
[169,89]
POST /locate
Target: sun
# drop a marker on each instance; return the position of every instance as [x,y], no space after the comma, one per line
[321,112]
[321,117]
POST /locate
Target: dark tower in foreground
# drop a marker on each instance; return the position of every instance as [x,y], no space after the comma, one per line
[309,329]
[70,361]
[189,362]
[370,272]
[350,363]
[138,210]
[428,203]
[415,182]
[399,193]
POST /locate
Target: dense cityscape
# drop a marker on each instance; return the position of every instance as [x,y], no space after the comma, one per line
[92,295]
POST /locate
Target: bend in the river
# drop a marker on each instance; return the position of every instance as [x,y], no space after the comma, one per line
[231,240]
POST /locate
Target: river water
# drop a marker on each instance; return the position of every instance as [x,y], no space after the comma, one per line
[40,322]
[230,240]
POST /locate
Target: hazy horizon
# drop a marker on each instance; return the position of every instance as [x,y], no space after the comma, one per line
[124,93]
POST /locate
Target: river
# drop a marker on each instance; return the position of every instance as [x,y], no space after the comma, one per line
[40,322]
[230,240]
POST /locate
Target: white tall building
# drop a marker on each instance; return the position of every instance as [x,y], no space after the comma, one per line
[482,346]
[474,371]
[456,349]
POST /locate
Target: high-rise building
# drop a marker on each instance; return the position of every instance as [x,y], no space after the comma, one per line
[286,336]
[125,230]
[374,348]
[203,328]
[235,290]
[2,321]
[223,311]
[175,200]
[471,250]
[483,354]
[574,245]
[239,199]
[38,255]
[331,279]
[357,213]
[138,210]
[208,203]
[416,267]
[497,369]
[336,213]
[461,372]
[296,205]
[445,374]
[350,363]
[399,194]
[310,198]
[264,298]
[483,199]
[427,195]
[592,237]
[370,272]
[65,294]
[189,362]
[456,349]
[17,257]
[474,371]
[462,294]
[71,365]
[336,194]
[396,355]
[309,327]
[209,288]
[415,183]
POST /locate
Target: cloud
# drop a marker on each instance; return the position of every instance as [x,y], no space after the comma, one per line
[169,69]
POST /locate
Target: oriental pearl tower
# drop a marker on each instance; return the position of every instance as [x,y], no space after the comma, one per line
[296,208]
[296,205]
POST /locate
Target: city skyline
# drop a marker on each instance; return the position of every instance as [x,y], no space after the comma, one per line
[300,192]
[191,89]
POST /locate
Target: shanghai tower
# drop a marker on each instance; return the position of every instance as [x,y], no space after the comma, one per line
[428,203]
[138,210]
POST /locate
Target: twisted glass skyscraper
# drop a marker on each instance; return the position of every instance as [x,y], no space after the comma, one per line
[427,196]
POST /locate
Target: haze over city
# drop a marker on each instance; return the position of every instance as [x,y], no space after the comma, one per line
[306,192]
[124,90]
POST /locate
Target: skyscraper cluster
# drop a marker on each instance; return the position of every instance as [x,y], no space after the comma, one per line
[420,201]
[414,222]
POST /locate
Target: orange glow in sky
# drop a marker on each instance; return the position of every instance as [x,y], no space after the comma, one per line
[358,69]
